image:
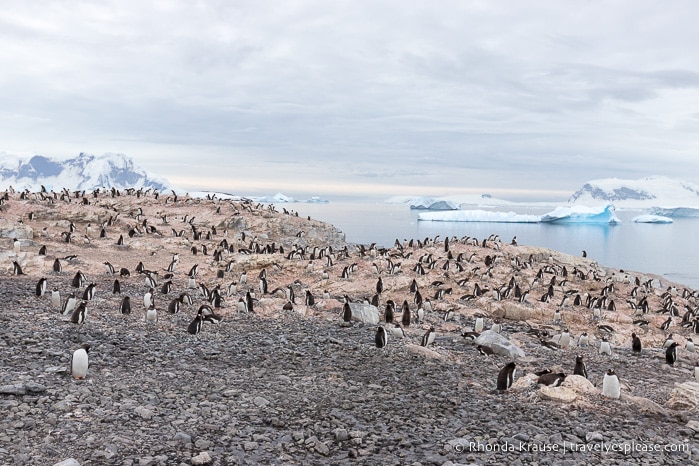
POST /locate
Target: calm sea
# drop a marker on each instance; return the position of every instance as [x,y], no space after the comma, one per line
[669,250]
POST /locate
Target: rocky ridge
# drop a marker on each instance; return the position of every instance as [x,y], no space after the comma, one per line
[277,386]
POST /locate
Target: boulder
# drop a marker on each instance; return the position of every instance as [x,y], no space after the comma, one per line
[562,394]
[499,344]
[579,384]
[684,396]
[422,351]
[524,382]
[644,404]
[365,313]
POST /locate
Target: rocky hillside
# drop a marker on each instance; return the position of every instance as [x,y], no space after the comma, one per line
[287,381]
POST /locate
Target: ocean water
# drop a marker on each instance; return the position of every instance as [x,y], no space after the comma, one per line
[668,250]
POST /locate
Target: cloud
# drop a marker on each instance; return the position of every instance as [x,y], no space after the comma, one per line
[397,93]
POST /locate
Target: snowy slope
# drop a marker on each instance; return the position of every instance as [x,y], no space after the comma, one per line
[654,191]
[84,172]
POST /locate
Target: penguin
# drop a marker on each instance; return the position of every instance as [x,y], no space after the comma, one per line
[689,345]
[116,288]
[636,345]
[56,298]
[174,306]
[668,341]
[346,312]
[610,385]
[195,325]
[69,304]
[666,325]
[506,376]
[16,268]
[497,326]
[449,315]
[16,245]
[397,331]
[605,347]
[671,353]
[557,316]
[152,314]
[125,307]
[57,266]
[248,302]
[478,326]
[79,362]
[148,298]
[580,368]
[379,286]
[89,292]
[428,338]
[420,315]
[484,350]
[381,337]
[110,268]
[42,250]
[696,371]
[551,379]
[79,313]
[388,313]
[309,300]
[564,340]
[41,287]
[405,319]
[583,340]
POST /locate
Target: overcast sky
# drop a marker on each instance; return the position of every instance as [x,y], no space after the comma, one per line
[516,98]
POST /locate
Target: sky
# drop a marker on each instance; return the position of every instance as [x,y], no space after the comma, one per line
[519,99]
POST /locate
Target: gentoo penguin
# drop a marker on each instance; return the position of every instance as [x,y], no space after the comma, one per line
[79,313]
[174,306]
[42,250]
[381,337]
[564,340]
[428,337]
[41,287]
[388,313]
[379,286]
[551,379]
[346,312]
[16,245]
[666,325]
[79,362]
[449,315]
[580,368]
[610,385]
[148,299]
[248,302]
[116,288]
[506,376]
[605,347]
[636,345]
[397,331]
[110,268]
[195,325]
[689,345]
[671,353]
[583,340]
[696,371]
[405,319]
[125,305]
[57,266]
[16,268]
[668,341]
[56,298]
[152,314]
[484,350]
[557,316]
[69,304]
[497,326]
[478,326]
[420,315]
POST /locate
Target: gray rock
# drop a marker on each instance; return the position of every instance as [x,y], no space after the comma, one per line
[68,462]
[14,389]
[499,344]
[365,313]
[202,458]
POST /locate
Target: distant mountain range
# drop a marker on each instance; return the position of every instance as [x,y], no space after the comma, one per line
[653,191]
[84,172]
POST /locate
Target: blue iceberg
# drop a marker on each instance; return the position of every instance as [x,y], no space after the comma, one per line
[582,214]
[574,214]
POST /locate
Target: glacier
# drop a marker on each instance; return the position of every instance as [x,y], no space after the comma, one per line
[573,214]
[675,212]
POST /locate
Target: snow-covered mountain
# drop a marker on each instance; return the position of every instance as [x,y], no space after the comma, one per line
[84,172]
[653,191]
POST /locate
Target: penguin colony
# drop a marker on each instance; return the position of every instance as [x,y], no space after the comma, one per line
[426,289]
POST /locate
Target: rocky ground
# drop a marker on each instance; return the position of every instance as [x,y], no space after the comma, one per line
[296,386]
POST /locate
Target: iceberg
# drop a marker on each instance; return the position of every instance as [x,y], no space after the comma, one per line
[648,218]
[478,216]
[573,214]
[582,214]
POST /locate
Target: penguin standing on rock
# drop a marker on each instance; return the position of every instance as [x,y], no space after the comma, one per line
[79,362]
[506,376]
[610,385]
[428,338]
